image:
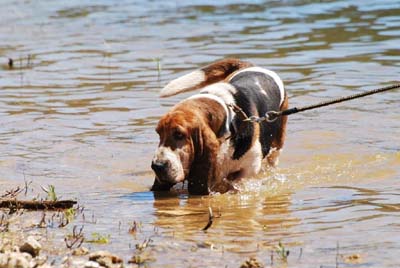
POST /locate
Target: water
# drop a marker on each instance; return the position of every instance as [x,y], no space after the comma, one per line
[79,108]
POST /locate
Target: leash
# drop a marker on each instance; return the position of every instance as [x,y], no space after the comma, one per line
[271,116]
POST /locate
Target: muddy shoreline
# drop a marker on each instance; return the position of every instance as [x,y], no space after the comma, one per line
[45,238]
[58,238]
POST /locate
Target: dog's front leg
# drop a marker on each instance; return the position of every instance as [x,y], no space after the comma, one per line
[158,186]
[222,186]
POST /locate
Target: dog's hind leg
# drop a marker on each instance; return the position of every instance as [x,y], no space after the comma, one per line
[277,143]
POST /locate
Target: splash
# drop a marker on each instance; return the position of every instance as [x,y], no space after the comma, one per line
[319,170]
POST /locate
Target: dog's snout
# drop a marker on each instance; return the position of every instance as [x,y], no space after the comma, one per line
[159,166]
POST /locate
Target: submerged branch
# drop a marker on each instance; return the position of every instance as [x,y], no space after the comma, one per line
[36,204]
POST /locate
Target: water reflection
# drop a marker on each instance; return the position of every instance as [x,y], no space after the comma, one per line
[248,216]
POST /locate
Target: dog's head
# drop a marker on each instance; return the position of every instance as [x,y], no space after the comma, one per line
[179,142]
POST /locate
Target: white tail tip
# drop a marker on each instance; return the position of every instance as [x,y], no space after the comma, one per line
[183,83]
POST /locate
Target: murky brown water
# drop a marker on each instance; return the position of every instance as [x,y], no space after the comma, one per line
[78,110]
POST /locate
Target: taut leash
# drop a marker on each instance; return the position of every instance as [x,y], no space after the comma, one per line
[271,116]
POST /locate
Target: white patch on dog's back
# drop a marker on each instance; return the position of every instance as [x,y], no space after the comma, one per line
[223,90]
[183,83]
[223,94]
[270,73]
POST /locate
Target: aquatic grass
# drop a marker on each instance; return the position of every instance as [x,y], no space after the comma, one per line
[143,245]
[23,62]
[98,238]
[158,62]
[134,227]
[67,216]
[107,56]
[142,256]
[70,214]
[51,192]
[282,252]
[141,259]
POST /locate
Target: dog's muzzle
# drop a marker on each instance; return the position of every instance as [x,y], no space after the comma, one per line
[167,166]
[159,167]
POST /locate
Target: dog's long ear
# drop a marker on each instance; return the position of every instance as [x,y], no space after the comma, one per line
[197,139]
[203,171]
[207,75]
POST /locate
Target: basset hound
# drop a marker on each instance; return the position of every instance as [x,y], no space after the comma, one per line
[202,138]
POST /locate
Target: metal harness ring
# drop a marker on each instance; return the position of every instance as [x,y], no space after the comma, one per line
[271,116]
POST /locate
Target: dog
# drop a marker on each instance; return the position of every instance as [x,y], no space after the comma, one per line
[204,140]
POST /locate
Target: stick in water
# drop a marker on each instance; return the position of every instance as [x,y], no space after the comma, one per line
[210,219]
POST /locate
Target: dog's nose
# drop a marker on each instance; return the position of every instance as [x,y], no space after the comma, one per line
[158,166]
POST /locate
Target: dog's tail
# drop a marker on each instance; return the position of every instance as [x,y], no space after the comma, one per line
[207,75]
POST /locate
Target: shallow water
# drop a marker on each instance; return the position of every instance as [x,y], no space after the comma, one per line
[79,108]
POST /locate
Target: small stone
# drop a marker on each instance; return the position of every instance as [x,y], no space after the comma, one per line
[252,263]
[73,263]
[15,260]
[3,260]
[106,259]
[5,245]
[31,246]
[353,259]
[65,259]
[91,264]
[39,261]
[27,256]
[44,266]
[80,251]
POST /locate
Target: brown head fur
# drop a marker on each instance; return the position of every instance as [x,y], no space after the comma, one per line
[189,133]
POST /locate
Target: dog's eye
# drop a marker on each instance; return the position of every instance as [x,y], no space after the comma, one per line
[179,135]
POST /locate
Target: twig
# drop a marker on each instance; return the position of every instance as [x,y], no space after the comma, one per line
[337,254]
[12,193]
[300,254]
[10,63]
[64,221]
[42,223]
[27,184]
[76,239]
[133,228]
[4,224]
[210,219]
[272,258]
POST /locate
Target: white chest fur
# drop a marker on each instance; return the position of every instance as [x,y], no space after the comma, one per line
[247,165]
